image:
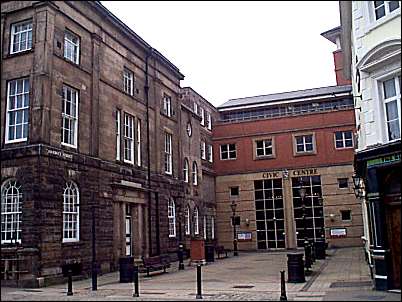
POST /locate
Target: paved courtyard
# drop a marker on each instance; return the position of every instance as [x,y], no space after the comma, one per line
[343,276]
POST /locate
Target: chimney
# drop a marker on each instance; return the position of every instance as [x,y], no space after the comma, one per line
[334,35]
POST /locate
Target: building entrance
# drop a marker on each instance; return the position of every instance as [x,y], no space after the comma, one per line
[308,212]
[269,214]
[129,231]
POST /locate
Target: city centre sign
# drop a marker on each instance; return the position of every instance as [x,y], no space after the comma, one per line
[305,172]
[271,175]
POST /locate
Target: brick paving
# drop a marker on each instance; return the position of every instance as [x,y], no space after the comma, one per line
[253,276]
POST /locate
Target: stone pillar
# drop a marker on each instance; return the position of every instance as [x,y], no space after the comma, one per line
[290,225]
[96,51]
[140,228]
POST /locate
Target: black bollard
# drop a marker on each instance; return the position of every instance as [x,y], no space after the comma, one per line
[198,296]
[312,244]
[283,287]
[307,255]
[136,282]
[181,264]
[94,277]
[70,283]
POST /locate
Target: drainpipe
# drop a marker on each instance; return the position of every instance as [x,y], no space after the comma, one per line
[146,88]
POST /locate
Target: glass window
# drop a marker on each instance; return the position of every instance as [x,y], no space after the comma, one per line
[21,36]
[343,139]
[343,183]
[128,138]
[172,218]
[383,8]
[168,153]
[139,159]
[210,154]
[203,153]
[263,147]
[234,191]
[71,202]
[304,144]
[346,215]
[212,227]
[167,105]
[196,224]
[228,151]
[195,173]
[128,81]
[118,116]
[71,47]
[69,130]
[187,220]
[185,170]
[209,121]
[205,227]
[17,117]
[392,104]
[11,212]
[202,116]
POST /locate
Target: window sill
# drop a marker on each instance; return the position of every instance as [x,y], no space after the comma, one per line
[344,148]
[264,157]
[228,159]
[16,141]
[305,154]
[15,54]
[377,23]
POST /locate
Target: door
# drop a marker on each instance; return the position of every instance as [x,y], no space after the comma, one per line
[269,214]
[129,231]
[393,217]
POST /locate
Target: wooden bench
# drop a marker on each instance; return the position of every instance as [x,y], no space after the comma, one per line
[156,263]
[220,249]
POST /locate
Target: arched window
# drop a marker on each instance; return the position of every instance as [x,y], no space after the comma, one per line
[196,228]
[172,218]
[71,213]
[185,170]
[11,212]
[187,220]
[195,173]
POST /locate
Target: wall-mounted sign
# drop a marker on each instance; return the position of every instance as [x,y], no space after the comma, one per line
[384,160]
[270,175]
[244,236]
[60,154]
[305,172]
[338,232]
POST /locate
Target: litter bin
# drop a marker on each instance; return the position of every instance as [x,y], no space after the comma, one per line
[126,266]
[295,268]
[320,249]
[209,252]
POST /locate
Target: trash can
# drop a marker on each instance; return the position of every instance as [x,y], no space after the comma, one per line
[320,249]
[126,266]
[295,268]
[209,252]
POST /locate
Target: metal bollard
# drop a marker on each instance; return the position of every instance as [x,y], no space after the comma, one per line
[198,296]
[283,287]
[94,276]
[312,244]
[136,282]
[307,254]
[181,264]
[70,283]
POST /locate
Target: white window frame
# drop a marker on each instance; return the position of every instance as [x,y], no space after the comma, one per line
[167,105]
[384,101]
[212,227]
[118,134]
[74,194]
[209,121]
[195,108]
[68,41]
[203,151]
[23,110]
[28,34]
[128,138]
[11,211]
[228,151]
[172,218]
[138,139]
[313,151]
[168,153]
[195,173]
[186,170]
[343,140]
[205,227]
[187,221]
[387,11]
[128,81]
[196,222]
[202,116]
[210,153]
[265,146]
[71,119]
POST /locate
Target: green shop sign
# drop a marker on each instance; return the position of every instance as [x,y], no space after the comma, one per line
[384,160]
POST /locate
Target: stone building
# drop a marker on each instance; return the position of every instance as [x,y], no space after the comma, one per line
[371,38]
[92,135]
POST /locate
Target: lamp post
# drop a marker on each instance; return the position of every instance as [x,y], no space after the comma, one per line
[307,250]
[233,206]
[94,268]
[357,186]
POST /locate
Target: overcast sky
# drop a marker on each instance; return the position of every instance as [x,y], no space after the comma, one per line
[237,49]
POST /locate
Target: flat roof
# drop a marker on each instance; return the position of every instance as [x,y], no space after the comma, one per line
[285,96]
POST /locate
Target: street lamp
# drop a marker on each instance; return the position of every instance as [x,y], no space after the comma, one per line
[358,186]
[307,250]
[233,206]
